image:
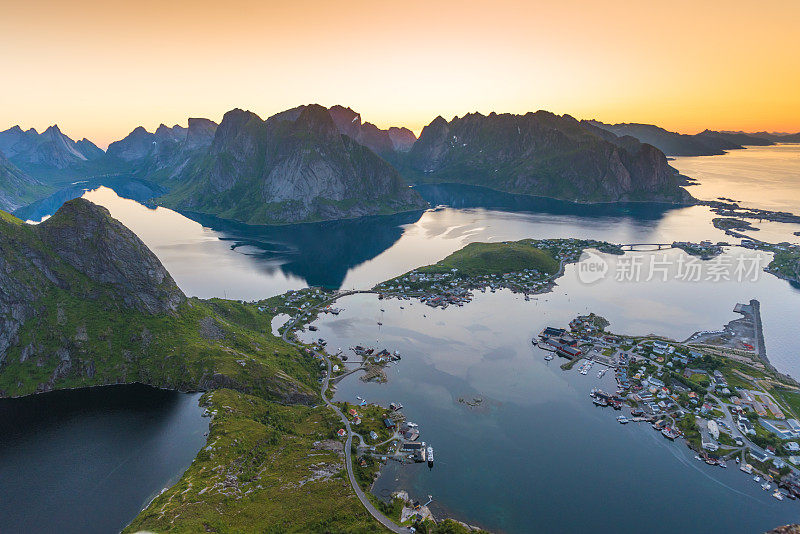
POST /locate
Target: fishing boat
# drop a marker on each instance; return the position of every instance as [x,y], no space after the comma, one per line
[600,401]
[668,433]
[622,419]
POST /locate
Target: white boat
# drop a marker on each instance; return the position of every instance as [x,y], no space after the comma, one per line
[756,478]
[778,495]
[548,357]
[696,457]
[412,425]
[622,419]
[429,455]
[765,486]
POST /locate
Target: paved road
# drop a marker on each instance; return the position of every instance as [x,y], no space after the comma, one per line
[374,512]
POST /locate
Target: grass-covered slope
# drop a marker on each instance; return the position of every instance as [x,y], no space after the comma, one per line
[786,265]
[84,302]
[266,468]
[477,259]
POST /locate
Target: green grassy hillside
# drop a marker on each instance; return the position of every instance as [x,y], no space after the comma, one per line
[477,259]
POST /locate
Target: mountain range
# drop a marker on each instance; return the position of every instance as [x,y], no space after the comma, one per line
[17,189]
[312,163]
[543,154]
[706,143]
[295,166]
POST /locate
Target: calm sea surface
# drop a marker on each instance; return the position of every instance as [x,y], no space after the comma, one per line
[88,460]
[537,456]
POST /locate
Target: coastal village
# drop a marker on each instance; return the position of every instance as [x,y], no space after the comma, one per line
[530,268]
[716,391]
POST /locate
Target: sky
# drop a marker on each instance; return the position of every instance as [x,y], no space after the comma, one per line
[98,68]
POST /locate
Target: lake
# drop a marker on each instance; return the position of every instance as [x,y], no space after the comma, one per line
[88,460]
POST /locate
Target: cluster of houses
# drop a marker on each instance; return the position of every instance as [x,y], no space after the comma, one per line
[442,289]
[561,342]
[664,385]
[703,249]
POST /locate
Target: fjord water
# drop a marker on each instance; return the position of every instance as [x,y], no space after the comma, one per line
[89,460]
[209,257]
[537,453]
[758,177]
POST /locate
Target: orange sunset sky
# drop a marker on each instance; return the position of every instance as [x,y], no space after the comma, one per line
[99,69]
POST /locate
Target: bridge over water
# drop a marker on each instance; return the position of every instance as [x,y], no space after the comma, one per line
[654,246]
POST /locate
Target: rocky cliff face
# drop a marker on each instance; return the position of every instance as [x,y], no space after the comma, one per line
[295,166]
[383,142]
[51,148]
[17,189]
[84,302]
[166,154]
[86,237]
[402,138]
[545,155]
[83,250]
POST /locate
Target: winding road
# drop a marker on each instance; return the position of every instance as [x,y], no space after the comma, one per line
[374,512]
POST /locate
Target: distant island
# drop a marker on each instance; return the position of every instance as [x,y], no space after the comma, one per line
[705,143]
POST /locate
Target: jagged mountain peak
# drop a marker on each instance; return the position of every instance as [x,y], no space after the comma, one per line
[542,154]
[116,257]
